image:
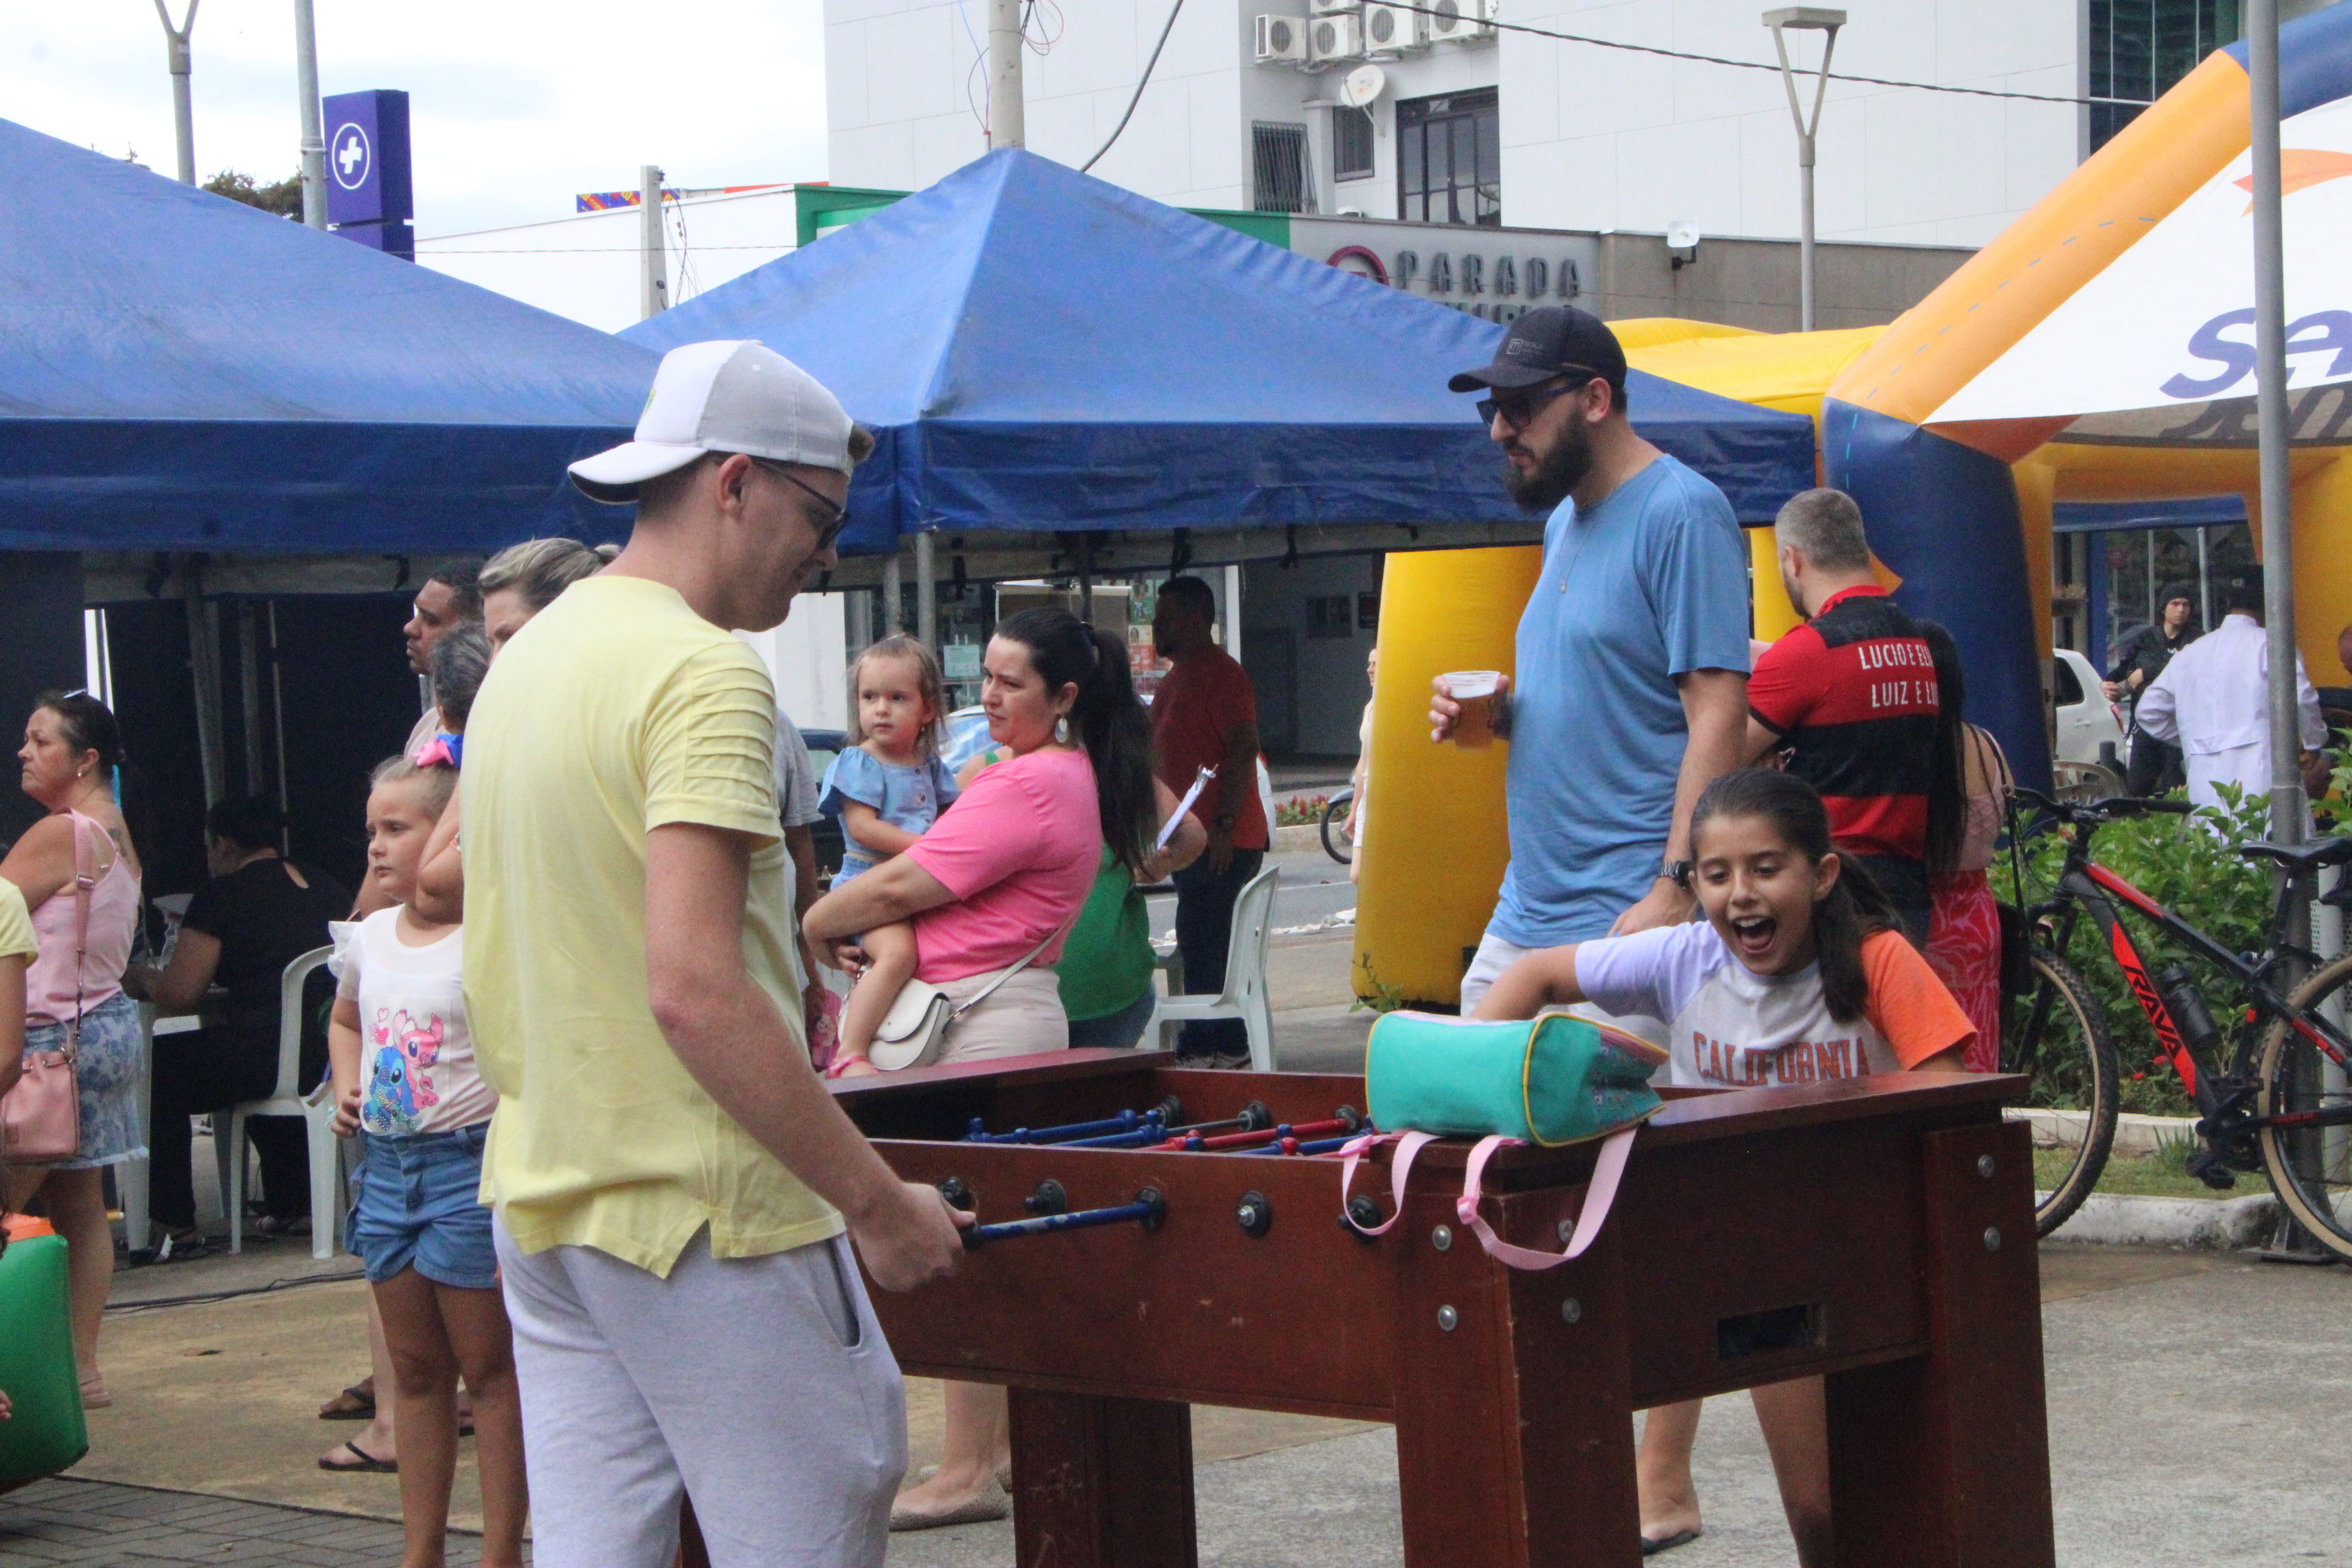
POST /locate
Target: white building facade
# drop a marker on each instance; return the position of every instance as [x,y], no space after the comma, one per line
[1496,125]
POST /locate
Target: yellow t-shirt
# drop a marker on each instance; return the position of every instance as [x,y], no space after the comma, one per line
[16,938]
[616,711]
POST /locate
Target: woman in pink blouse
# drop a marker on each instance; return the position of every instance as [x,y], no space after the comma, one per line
[1005,867]
[1010,863]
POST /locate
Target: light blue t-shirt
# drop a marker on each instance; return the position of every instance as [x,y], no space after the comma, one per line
[909,798]
[1651,585]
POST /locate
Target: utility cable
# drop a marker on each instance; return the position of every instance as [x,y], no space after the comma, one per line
[1456,15]
[1138,86]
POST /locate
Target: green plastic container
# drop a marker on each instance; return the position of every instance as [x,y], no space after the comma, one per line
[45,1433]
[1552,1080]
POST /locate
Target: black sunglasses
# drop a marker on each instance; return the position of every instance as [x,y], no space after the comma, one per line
[839,513]
[1516,409]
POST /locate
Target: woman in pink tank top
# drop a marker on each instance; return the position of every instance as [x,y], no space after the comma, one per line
[73,988]
[1966,805]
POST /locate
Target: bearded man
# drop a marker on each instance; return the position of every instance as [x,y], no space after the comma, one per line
[1632,697]
[1632,689]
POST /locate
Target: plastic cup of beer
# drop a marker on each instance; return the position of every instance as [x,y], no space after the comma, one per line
[1476,691]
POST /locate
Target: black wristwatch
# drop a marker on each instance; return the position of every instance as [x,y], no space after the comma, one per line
[1678,872]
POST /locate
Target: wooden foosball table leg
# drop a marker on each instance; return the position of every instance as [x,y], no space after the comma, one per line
[1514,1406]
[1943,1460]
[1101,1482]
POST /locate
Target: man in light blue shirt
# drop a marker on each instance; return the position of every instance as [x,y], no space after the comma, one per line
[1631,698]
[1632,683]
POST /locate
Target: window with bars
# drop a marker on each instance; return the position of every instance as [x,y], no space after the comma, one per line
[1351,143]
[1450,159]
[1281,184]
[2139,49]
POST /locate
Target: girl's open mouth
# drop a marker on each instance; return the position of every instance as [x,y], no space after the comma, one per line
[1752,935]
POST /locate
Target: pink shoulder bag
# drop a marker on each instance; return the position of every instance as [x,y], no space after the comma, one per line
[40,1119]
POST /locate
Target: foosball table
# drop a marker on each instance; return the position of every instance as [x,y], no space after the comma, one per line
[1154,1238]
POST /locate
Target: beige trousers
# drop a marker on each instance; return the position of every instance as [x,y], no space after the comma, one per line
[1021,1016]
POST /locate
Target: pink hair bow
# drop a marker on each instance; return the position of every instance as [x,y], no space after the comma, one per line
[440,752]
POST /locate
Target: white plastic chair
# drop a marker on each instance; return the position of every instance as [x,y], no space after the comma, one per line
[1244,997]
[317,1110]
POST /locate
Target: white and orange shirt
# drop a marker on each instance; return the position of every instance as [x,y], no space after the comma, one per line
[1731,1027]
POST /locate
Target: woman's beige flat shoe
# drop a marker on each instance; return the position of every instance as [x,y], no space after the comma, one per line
[93,1393]
[991,1504]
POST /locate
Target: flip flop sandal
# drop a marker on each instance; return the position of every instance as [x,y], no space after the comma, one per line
[369,1464]
[353,1403]
[1667,1544]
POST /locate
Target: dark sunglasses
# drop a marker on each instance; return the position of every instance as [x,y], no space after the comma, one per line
[834,509]
[1516,409]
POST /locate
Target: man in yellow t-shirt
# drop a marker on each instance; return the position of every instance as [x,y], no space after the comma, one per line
[671,1181]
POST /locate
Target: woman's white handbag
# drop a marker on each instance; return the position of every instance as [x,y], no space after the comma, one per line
[912,1032]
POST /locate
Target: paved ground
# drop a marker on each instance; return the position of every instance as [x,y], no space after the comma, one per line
[95,1522]
[2199,1413]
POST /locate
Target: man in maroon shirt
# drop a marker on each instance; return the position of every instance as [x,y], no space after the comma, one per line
[1205,715]
[1850,695]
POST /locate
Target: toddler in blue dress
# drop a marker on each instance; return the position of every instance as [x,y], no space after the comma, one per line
[888,787]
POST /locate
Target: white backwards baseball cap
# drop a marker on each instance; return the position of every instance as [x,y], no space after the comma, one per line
[729,396]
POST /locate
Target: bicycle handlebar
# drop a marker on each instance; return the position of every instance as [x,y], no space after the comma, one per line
[2114,808]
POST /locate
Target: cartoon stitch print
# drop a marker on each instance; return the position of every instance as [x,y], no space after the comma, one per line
[391,1105]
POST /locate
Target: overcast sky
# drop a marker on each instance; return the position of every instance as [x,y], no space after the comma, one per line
[514,104]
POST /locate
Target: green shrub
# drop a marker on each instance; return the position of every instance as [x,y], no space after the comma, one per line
[2187,865]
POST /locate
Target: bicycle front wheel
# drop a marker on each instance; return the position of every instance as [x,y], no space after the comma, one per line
[2310,1167]
[2056,1035]
[1339,827]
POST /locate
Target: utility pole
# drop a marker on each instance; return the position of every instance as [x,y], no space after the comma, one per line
[653,297]
[314,137]
[1814,19]
[2289,1240]
[927,590]
[184,113]
[2270,416]
[1007,125]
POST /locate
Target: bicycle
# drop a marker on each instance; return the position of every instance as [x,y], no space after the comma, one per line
[2280,1105]
[1339,826]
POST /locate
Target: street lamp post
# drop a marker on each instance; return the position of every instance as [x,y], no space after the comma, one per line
[314,139]
[1812,19]
[183,115]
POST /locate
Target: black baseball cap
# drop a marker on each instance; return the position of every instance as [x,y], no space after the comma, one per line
[1548,342]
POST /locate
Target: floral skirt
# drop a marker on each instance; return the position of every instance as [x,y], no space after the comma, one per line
[106,1072]
[1964,949]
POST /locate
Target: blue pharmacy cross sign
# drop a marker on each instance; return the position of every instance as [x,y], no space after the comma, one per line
[352,165]
[367,158]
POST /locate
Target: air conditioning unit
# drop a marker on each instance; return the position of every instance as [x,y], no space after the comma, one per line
[1391,30]
[1326,7]
[1461,21]
[1281,40]
[1335,37]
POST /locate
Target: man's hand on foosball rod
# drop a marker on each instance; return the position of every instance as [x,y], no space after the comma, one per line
[911,1238]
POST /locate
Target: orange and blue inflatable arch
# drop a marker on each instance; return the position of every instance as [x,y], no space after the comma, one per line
[1941,498]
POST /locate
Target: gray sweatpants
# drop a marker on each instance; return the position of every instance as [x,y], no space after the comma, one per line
[761,1387]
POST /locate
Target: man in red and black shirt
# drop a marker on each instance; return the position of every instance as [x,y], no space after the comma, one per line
[1850,695]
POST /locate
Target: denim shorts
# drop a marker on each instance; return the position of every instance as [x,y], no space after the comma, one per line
[419,1203]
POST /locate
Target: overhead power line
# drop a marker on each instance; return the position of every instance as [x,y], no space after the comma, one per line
[1139,85]
[1761,64]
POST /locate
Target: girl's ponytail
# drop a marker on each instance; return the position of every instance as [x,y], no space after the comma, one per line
[1853,910]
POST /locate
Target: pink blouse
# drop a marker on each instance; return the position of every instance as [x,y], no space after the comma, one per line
[1019,850]
[113,921]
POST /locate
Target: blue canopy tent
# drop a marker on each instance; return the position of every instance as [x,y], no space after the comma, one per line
[180,371]
[1036,350]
